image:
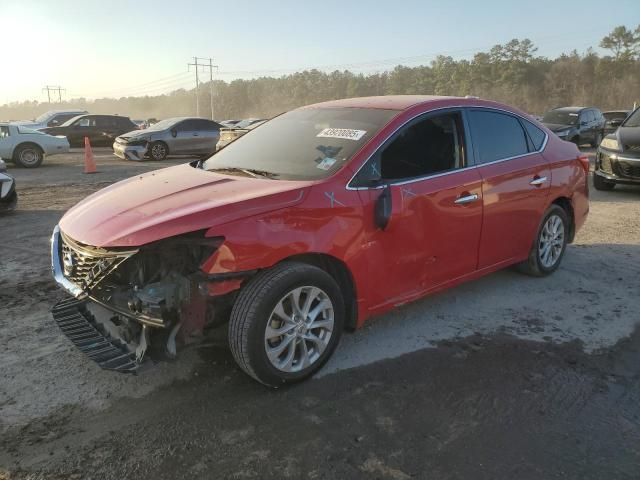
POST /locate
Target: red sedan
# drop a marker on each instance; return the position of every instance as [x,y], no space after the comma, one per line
[312,223]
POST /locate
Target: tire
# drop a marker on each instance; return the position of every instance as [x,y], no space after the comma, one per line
[158,151]
[601,184]
[28,156]
[597,140]
[539,265]
[255,309]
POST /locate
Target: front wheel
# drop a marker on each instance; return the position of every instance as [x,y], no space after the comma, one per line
[286,323]
[158,151]
[550,244]
[28,156]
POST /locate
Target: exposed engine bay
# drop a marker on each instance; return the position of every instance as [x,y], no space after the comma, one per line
[149,299]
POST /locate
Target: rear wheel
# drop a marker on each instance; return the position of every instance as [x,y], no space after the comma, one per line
[601,184]
[158,150]
[286,323]
[28,156]
[550,244]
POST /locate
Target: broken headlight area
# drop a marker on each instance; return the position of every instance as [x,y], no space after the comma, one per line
[149,299]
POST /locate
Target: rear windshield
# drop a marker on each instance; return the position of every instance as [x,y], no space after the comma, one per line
[304,144]
[561,118]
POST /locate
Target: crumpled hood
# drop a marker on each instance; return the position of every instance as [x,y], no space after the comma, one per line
[173,201]
[629,136]
[556,127]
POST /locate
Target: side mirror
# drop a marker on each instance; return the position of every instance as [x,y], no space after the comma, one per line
[383,208]
[174,133]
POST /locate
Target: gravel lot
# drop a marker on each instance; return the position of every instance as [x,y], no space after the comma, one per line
[504,377]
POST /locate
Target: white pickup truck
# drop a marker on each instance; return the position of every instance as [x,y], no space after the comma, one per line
[26,147]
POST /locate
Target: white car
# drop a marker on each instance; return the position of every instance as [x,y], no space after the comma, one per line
[26,147]
[52,118]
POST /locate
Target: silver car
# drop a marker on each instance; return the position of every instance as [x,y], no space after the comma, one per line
[174,136]
[8,195]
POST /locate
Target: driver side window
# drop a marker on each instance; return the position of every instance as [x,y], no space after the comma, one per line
[425,147]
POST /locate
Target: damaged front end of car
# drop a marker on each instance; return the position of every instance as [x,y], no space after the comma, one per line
[130,304]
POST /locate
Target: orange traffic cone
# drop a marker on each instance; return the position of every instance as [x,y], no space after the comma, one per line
[89,163]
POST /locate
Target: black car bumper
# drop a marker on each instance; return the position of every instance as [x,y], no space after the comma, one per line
[615,167]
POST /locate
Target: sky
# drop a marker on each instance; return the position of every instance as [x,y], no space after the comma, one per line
[114,48]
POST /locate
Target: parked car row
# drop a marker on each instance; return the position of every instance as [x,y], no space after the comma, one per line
[237,130]
[583,125]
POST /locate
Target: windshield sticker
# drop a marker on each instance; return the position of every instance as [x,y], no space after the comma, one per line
[326,163]
[346,133]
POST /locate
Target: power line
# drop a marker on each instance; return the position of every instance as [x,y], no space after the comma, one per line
[51,88]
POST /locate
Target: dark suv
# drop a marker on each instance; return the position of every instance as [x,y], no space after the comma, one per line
[101,129]
[579,125]
[618,157]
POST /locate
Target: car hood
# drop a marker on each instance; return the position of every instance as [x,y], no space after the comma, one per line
[26,123]
[557,127]
[138,134]
[173,201]
[629,135]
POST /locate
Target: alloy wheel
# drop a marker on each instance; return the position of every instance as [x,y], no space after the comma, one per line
[551,241]
[158,151]
[299,329]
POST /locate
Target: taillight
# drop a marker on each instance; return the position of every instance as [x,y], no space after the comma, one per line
[584,161]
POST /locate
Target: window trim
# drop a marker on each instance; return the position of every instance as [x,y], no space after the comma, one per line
[467,157]
[467,135]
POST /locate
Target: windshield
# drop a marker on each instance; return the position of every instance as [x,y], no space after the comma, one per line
[164,124]
[71,120]
[44,117]
[615,115]
[559,117]
[304,144]
[633,120]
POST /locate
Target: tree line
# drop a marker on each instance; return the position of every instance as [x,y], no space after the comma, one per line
[511,73]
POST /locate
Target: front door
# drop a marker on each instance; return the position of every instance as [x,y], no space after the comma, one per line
[515,183]
[433,234]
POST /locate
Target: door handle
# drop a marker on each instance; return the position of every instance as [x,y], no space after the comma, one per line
[466,199]
[537,181]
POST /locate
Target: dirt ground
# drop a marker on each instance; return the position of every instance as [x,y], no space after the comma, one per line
[505,377]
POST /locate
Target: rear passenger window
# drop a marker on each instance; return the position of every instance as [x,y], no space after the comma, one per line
[496,136]
[536,135]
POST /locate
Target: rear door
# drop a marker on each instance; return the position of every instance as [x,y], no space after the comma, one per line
[207,133]
[515,183]
[434,230]
[187,139]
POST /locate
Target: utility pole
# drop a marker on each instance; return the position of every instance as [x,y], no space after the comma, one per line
[210,66]
[51,88]
[195,64]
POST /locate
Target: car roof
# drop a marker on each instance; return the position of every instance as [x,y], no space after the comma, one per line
[571,109]
[386,102]
[407,102]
